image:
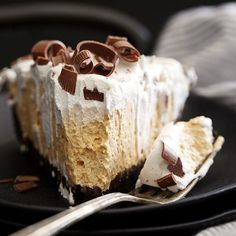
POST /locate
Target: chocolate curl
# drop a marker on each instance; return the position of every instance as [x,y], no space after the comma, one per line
[166,181]
[124,49]
[93,95]
[47,48]
[103,67]
[83,62]
[63,56]
[175,164]
[67,79]
[105,56]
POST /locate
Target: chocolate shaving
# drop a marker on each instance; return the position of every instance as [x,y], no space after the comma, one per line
[177,169]
[25,186]
[6,181]
[104,66]
[175,164]
[26,178]
[47,48]
[168,154]
[124,49]
[93,95]
[83,62]
[42,60]
[63,56]
[166,181]
[67,79]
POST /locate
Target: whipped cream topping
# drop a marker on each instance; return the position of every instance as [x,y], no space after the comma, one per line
[192,142]
[139,83]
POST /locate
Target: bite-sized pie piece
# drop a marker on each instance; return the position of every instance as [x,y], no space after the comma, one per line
[93,113]
[179,152]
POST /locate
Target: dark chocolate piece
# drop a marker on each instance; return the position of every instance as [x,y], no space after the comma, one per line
[168,154]
[24,186]
[177,169]
[166,181]
[6,181]
[26,178]
[93,95]
[47,48]
[67,79]
[175,164]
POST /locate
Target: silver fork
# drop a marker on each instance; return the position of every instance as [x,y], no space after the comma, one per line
[62,220]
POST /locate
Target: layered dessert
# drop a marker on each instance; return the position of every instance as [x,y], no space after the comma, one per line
[182,152]
[92,114]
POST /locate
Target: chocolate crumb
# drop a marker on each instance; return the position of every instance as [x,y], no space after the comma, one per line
[25,186]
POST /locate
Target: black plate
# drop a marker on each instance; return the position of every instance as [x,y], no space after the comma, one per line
[209,200]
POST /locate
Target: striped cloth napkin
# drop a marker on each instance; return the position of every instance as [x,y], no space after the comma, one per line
[205,38]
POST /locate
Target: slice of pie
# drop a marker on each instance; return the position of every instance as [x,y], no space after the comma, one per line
[92,114]
[182,152]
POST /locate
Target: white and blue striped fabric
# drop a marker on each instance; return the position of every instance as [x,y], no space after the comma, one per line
[205,38]
[228,229]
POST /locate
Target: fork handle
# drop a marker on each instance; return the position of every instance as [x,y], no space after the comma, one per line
[60,221]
